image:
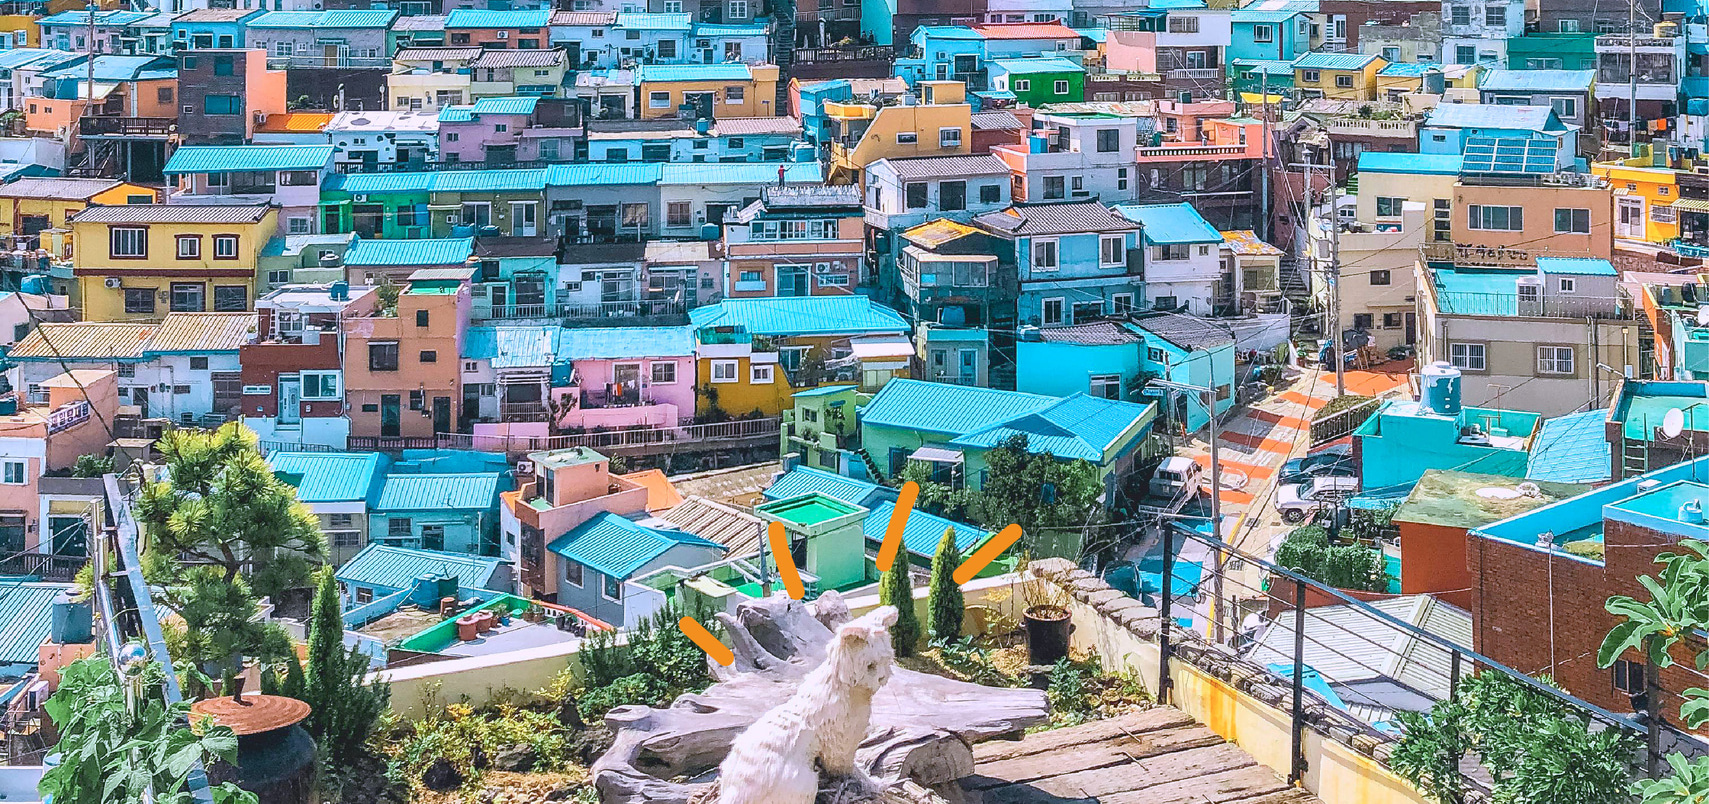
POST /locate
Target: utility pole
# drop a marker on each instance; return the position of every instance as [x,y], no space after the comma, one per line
[1209,392]
[1632,77]
[1264,170]
[1333,274]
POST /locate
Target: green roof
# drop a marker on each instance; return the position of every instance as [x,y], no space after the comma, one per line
[461,492]
[487,18]
[808,509]
[26,617]
[612,545]
[1461,499]
[324,477]
[824,391]
[920,535]
[430,251]
[399,567]
[235,158]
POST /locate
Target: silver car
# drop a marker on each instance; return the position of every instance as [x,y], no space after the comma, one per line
[1298,502]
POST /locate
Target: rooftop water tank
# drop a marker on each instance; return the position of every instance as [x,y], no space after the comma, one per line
[35,284]
[702,125]
[331,259]
[1441,383]
[340,291]
[462,230]
[709,231]
[425,591]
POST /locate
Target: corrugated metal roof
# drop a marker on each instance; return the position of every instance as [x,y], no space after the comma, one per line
[585,343]
[1246,242]
[739,531]
[932,167]
[1080,426]
[295,123]
[732,71]
[442,53]
[1185,331]
[420,22]
[56,188]
[923,530]
[1334,61]
[614,546]
[1170,223]
[232,158]
[464,491]
[399,567]
[513,346]
[174,213]
[1537,80]
[201,332]
[1048,219]
[808,480]
[654,22]
[365,18]
[43,58]
[1032,66]
[490,59]
[1409,68]
[948,32]
[1249,16]
[1579,266]
[1346,644]
[215,14]
[26,617]
[1430,164]
[487,18]
[432,251]
[1489,115]
[368,183]
[118,69]
[800,315]
[1571,449]
[584,19]
[948,409]
[994,120]
[715,29]
[1097,333]
[748,126]
[328,477]
[582,175]
[754,173]
[933,234]
[101,18]
[510,105]
[83,340]
[489,181]
[1026,30]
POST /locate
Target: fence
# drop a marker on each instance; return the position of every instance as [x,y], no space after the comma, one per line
[743,430]
[46,566]
[598,314]
[1342,422]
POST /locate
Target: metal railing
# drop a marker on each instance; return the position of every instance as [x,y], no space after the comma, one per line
[603,310]
[606,398]
[313,60]
[1191,150]
[1510,305]
[46,566]
[740,431]
[822,55]
[97,126]
[1342,422]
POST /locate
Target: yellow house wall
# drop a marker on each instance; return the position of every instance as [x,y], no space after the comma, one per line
[758,95]
[879,141]
[25,23]
[1364,82]
[1657,186]
[162,268]
[58,211]
[741,397]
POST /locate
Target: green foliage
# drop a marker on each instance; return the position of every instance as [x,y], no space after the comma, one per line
[895,588]
[1071,694]
[945,604]
[658,663]
[631,689]
[1688,783]
[1053,501]
[117,752]
[1340,403]
[469,739]
[386,299]
[971,662]
[345,705]
[1308,552]
[92,466]
[1536,748]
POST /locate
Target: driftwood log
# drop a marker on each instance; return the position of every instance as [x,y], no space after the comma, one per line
[919,741]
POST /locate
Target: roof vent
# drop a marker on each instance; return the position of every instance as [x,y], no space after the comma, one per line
[1691,512]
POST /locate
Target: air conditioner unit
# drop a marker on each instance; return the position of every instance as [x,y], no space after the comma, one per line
[525,467]
[114,282]
[361,198]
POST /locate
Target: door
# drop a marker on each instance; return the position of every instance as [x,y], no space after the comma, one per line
[499,296]
[1629,221]
[290,400]
[391,415]
[139,397]
[442,414]
[1411,328]
[69,535]
[523,222]
[968,366]
[792,280]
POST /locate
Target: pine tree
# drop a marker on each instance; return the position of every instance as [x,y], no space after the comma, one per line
[896,589]
[944,604]
[344,705]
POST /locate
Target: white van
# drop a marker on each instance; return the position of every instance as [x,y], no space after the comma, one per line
[1174,475]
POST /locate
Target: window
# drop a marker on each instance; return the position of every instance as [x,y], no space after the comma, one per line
[1155,355]
[1630,677]
[1361,321]
[364,594]
[1344,81]
[127,243]
[14,472]
[1564,107]
[1044,255]
[1391,320]
[1263,33]
[667,48]
[1055,187]
[222,104]
[613,587]
[735,94]
[1554,360]
[1460,15]
[189,247]
[991,194]
[383,356]
[573,573]
[760,374]
[320,385]
[225,246]
[1051,312]
[1112,251]
[1174,251]
[231,298]
[1380,278]
[724,370]
[429,356]
[949,137]
[1106,386]
[1121,303]
[678,213]
[915,193]
[658,100]
[952,196]
[664,373]
[907,138]
[1389,206]
[1466,356]
[1310,77]
[1061,88]
[1495,15]
[1572,221]
[1567,26]
[1568,285]
[1183,24]
[1501,219]
[188,297]
[139,300]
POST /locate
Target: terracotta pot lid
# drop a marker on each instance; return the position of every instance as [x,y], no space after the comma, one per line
[254,715]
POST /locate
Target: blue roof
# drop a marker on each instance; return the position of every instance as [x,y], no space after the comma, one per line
[233,158]
[922,533]
[484,18]
[1334,61]
[756,173]
[432,251]
[1478,291]
[579,175]
[23,56]
[800,315]
[485,181]
[463,491]
[1080,426]
[1581,266]
[961,32]
[615,546]
[1430,164]
[26,617]
[116,68]
[1490,115]
[1095,34]
[731,71]
[367,18]
[638,20]
[509,105]
[456,114]
[330,476]
[807,480]
[1170,223]
[937,407]
[513,346]
[605,343]
[101,18]
[1413,68]
[1262,66]
[1571,449]
[1247,15]
[722,29]
[1537,80]
[1033,66]
[399,567]
[402,182]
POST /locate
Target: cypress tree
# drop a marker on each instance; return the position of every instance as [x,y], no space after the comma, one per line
[945,604]
[896,589]
[345,706]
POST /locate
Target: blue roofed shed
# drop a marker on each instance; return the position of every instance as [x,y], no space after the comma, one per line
[1170,224]
[923,530]
[247,158]
[457,512]
[595,559]
[431,252]
[1572,449]
[26,620]
[381,570]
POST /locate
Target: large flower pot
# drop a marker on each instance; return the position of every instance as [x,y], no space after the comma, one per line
[467,627]
[1048,629]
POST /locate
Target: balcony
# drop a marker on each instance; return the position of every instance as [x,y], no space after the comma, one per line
[1624,43]
[322,60]
[126,127]
[1359,127]
[590,314]
[1193,74]
[1184,150]
[614,396]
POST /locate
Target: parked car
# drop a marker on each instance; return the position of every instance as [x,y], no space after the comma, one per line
[1301,501]
[1336,461]
[1175,475]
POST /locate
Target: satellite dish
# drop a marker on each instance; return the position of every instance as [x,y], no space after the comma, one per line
[1673,423]
[1703,316]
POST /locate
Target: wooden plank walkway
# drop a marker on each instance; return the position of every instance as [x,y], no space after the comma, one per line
[1158,756]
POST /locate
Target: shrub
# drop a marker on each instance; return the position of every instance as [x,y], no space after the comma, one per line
[945,603]
[895,588]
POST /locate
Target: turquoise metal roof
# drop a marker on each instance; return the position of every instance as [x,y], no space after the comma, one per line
[937,407]
[614,546]
[1334,61]
[117,68]
[756,173]
[1537,80]
[367,18]
[1581,266]
[513,347]
[733,71]
[1428,164]
[484,18]
[432,251]
[1037,66]
[583,175]
[101,18]
[24,56]
[721,29]
[379,182]
[510,105]
[800,315]
[922,532]
[1248,16]
[463,491]
[456,114]
[642,21]
[958,32]
[399,567]
[1410,68]
[807,480]
[26,616]
[1571,449]
[1170,223]
[235,158]
[1261,66]
[1079,426]
[329,476]
[605,343]
[489,181]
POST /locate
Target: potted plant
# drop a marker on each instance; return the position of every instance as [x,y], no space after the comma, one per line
[1046,619]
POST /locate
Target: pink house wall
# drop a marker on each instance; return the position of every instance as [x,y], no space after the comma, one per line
[1130,52]
[475,134]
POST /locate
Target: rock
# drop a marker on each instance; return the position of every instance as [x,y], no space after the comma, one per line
[518,758]
[489,795]
[478,757]
[564,793]
[441,776]
[570,714]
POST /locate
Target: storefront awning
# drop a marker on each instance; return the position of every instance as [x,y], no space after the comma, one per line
[1691,205]
[936,455]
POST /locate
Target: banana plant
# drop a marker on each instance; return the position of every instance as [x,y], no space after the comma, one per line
[1688,783]
[1678,605]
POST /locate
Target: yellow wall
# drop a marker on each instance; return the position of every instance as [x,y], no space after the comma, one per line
[162,268]
[22,22]
[924,120]
[759,95]
[1657,186]
[742,397]
[1364,81]
[57,211]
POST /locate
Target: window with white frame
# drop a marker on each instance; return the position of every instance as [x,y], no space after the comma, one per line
[1567,284]
[761,374]
[1044,255]
[1263,33]
[725,370]
[1051,312]
[1496,218]
[573,573]
[664,373]
[1106,386]
[1572,221]
[1467,356]
[1121,303]
[1061,88]
[189,247]
[14,472]
[320,385]
[1554,360]
[658,100]
[612,588]
[1112,251]
[738,9]
[128,243]
[949,137]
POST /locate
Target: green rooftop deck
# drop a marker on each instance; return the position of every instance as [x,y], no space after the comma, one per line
[809,509]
